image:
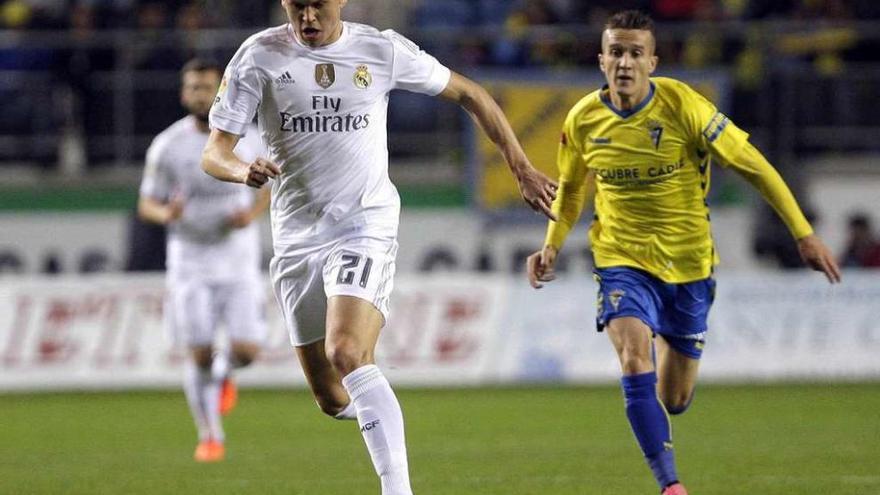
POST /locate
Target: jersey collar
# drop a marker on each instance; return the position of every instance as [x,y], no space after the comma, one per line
[626,113]
[342,38]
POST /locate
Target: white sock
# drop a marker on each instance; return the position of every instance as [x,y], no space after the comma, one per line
[211,399]
[350,412]
[207,387]
[220,366]
[193,383]
[381,423]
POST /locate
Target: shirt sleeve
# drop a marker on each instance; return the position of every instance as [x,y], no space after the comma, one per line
[239,95]
[730,145]
[572,192]
[157,181]
[714,131]
[752,166]
[414,69]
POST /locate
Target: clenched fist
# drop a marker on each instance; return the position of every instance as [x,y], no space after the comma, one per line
[259,172]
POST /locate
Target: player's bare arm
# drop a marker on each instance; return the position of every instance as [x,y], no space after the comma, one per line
[569,204]
[537,189]
[158,212]
[219,161]
[567,209]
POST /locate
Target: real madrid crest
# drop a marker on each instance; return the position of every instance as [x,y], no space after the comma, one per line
[325,75]
[362,77]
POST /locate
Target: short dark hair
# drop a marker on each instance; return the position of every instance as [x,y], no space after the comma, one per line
[201,65]
[631,19]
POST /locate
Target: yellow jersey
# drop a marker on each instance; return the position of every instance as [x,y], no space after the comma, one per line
[651,166]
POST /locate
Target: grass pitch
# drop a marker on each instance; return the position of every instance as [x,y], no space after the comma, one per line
[767,440]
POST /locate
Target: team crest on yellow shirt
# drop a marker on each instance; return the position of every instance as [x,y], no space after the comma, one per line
[362,77]
[656,130]
[325,75]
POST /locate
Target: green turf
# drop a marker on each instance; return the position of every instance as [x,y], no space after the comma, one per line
[763,440]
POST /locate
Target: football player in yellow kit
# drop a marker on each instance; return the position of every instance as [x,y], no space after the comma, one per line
[642,148]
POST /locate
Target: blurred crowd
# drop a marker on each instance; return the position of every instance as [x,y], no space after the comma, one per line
[110,14]
[498,32]
[519,43]
[78,66]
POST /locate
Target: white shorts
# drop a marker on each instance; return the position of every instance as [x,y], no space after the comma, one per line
[362,267]
[195,308]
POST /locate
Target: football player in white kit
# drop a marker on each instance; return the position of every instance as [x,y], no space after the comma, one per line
[213,255]
[319,87]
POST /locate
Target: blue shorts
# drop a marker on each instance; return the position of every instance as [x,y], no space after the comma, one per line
[678,312]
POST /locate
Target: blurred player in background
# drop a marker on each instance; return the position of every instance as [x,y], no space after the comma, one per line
[643,146]
[213,255]
[319,87]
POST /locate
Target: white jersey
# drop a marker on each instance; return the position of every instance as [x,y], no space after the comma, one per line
[322,114]
[201,243]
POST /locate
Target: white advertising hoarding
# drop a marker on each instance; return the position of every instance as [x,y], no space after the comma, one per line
[106,332]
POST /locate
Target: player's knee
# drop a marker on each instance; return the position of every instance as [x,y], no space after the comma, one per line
[675,409]
[329,405]
[678,403]
[634,362]
[346,355]
[203,358]
[244,357]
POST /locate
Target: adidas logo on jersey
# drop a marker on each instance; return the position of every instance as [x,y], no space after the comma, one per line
[284,80]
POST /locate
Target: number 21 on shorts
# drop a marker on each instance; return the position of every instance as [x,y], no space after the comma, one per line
[351,267]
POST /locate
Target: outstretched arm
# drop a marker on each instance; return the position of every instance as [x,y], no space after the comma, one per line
[752,165]
[219,161]
[536,188]
[573,195]
[567,207]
